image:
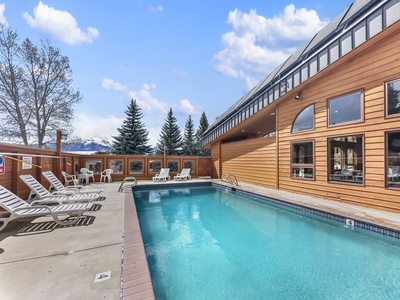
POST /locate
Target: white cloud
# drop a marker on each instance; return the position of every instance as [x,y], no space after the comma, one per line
[149,87]
[185,107]
[256,45]
[94,126]
[60,24]
[158,8]
[2,17]
[111,85]
[179,72]
[148,103]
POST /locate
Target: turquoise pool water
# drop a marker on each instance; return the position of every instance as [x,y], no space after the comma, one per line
[206,243]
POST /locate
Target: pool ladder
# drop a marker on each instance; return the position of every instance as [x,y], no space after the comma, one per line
[231,178]
[132,182]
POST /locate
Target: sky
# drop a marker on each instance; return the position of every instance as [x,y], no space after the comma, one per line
[191,56]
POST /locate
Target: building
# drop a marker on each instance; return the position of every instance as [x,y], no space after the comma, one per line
[326,122]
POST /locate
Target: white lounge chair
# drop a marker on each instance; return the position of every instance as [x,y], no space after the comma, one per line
[69,178]
[16,208]
[164,175]
[69,190]
[106,174]
[184,175]
[86,174]
[45,196]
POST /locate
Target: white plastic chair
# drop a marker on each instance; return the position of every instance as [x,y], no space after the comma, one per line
[106,174]
[86,174]
[69,179]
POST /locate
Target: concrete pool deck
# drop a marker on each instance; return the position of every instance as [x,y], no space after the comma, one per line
[41,260]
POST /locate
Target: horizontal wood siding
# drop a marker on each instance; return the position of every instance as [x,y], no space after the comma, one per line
[367,72]
[216,160]
[252,161]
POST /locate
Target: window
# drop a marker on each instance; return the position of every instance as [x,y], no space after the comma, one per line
[393,159]
[393,97]
[345,43]
[392,12]
[116,166]
[94,165]
[323,59]
[360,34]
[154,166]
[189,164]
[296,78]
[136,166]
[304,72]
[173,165]
[346,162]
[344,109]
[313,66]
[302,165]
[304,120]
[374,24]
[334,51]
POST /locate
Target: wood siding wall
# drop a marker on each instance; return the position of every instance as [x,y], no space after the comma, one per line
[368,71]
[365,69]
[252,161]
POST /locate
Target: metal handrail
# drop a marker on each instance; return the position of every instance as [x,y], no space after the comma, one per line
[227,178]
[127,179]
[231,181]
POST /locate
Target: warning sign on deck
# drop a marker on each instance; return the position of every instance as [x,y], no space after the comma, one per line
[2,165]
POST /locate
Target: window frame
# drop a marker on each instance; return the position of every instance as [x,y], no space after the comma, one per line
[295,119]
[329,151]
[193,161]
[136,160]
[122,166]
[302,165]
[178,165]
[362,103]
[151,161]
[387,115]
[386,168]
[96,163]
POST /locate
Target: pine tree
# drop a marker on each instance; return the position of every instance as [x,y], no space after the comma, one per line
[189,139]
[202,128]
[170,136]
[133,136]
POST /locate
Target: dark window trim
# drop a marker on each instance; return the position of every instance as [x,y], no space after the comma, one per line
[362,107]
[385,83]
[294,120]
[296,165]
[386,167]
[328,146]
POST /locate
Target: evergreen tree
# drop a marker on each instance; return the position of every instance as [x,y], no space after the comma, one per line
[189,139]
[202,128]
[133,136]
[170,136]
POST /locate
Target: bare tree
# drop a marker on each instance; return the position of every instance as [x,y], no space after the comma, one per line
[15,115]
[35,89]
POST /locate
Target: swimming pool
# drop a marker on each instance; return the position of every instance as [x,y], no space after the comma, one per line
[207,243]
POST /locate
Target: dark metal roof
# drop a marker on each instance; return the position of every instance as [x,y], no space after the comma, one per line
[327,34]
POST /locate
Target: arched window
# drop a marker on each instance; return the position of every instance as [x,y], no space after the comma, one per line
[304,120]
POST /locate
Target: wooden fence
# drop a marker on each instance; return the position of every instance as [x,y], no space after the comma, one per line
[19,160]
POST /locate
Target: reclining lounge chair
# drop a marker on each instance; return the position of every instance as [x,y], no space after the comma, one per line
[164,175]
[45,196]
[184,175]
[16,208]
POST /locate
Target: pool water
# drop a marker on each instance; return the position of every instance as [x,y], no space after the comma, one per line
[207,243]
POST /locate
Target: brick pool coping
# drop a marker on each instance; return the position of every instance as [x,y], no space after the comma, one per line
[136,279]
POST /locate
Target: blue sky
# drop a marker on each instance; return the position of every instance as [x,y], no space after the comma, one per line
[193,56]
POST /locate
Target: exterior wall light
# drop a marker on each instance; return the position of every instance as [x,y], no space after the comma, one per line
[298,96]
